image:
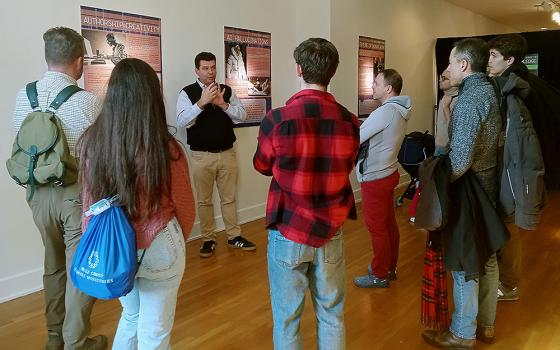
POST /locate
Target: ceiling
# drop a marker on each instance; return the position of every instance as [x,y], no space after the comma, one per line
[521,15]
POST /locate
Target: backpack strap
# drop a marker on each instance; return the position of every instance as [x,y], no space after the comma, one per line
[31,90]
[64,95]
[30,168]
[140,260]
[502,102]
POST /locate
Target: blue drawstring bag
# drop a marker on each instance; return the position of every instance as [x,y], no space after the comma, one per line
[104,264]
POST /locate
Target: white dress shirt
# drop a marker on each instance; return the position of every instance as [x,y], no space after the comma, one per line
[188,111]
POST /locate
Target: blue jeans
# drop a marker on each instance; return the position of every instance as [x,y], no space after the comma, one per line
[475,301]
[149,309]
[292,269]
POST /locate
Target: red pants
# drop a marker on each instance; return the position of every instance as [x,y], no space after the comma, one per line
[379,215]
[414,203]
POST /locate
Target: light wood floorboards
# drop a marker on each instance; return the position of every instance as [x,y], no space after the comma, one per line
[224,300]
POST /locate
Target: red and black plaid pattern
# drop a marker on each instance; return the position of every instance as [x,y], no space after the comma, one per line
[435,308]
[309,148]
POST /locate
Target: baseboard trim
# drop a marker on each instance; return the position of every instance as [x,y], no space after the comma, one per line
[21,284]
[31,281]
[245,215]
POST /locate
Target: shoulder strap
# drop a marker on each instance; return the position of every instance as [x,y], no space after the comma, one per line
[496,86]
[31,90]
[502,101]
[64,95]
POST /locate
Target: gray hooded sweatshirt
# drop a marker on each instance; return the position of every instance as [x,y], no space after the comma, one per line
[384,129]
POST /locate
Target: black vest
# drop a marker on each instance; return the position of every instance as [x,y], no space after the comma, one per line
[213,129]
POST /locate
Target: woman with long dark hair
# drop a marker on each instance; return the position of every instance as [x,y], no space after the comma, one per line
[129,152]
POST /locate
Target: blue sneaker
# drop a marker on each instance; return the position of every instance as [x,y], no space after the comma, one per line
[370,281]
[391,276]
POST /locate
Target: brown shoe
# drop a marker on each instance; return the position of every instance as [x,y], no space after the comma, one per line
[447,340]
[54,342]
[99,342]
[485,334]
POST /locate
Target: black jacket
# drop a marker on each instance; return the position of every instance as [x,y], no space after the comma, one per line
[474,229]
[433,203]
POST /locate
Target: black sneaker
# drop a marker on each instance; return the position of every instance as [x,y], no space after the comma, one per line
[507,294]
[241,243]
[207,249]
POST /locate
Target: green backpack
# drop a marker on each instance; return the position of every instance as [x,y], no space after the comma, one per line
[40,154]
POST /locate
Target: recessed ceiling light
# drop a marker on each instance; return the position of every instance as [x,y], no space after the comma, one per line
[544,28]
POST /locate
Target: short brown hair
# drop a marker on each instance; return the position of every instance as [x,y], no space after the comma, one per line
[318,59]
[393,78]
[63,46]
[510,45]
[203,56]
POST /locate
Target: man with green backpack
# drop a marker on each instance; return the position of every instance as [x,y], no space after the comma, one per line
[50,116]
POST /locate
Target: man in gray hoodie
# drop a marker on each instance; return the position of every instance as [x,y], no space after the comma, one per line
[381,136]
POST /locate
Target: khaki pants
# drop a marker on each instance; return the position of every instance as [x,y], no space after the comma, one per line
[220,168]
[57,212]
[510,258]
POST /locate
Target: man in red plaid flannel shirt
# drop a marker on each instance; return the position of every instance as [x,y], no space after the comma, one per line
[309,148]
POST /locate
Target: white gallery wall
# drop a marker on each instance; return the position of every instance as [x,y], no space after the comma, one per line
[189,27]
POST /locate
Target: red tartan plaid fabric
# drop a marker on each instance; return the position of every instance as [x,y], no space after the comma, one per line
[309,148]
[435,308]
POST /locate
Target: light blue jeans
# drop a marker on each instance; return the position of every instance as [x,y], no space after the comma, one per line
[292,269]
[149,309]
[475,301]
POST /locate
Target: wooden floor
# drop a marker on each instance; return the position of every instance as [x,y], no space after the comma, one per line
[224,300]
